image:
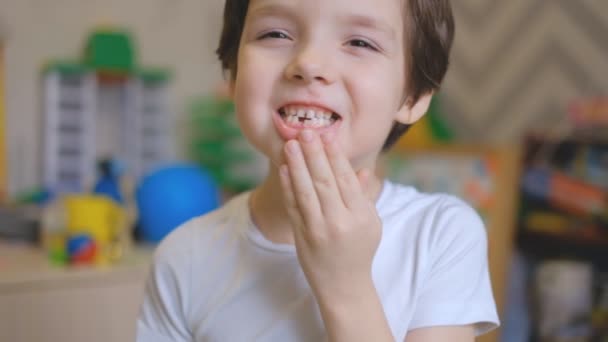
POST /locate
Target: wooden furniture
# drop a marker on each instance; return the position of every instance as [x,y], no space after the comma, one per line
[41,302]
[501,213]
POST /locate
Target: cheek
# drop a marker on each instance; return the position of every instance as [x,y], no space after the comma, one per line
[381,86]
[377,100]
[376,96]
[253,90]
[243,86]
[255,79]
[246,66]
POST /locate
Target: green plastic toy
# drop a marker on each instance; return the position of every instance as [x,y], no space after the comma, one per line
[218,145]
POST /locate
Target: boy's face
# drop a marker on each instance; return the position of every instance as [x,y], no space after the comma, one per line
[335,66]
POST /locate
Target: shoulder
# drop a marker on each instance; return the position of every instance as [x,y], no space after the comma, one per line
[434,247]
[200,232]
[181,261]
[436,218]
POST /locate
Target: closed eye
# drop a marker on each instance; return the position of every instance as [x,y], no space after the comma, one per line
[362,44]
[274,35]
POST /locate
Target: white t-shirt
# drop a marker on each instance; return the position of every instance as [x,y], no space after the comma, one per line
[217,278]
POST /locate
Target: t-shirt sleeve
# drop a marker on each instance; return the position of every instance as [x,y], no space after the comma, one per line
[456,287]
[162,314]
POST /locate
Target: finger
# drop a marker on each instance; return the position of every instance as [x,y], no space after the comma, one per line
[320,170]
[364,176]
[347,180]
[290,201]
[301,183]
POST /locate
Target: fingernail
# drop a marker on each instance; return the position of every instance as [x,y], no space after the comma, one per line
[306,135]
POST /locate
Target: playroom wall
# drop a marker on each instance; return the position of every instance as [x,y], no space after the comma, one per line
[516,65]
[179,34]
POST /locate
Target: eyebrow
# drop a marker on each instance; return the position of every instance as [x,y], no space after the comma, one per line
[358,20]
[369,22]
[271,9]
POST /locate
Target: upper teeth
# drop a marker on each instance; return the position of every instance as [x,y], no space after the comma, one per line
[307,112]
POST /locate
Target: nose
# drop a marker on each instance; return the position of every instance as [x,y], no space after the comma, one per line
[308,66]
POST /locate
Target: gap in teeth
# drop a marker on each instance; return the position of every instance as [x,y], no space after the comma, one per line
[306,113]
[306,117]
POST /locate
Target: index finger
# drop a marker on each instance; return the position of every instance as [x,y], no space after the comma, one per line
[346,178]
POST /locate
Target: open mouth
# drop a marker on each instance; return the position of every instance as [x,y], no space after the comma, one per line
[298,116]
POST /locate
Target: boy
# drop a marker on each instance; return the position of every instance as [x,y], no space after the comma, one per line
[323,249]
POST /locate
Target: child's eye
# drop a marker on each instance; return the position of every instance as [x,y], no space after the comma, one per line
[274,34]
[362,43]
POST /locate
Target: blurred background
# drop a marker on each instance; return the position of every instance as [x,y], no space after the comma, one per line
[115,128]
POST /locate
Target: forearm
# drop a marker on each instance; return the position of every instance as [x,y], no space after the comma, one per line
[355,316]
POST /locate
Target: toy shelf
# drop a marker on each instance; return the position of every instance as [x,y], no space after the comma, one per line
[543,245]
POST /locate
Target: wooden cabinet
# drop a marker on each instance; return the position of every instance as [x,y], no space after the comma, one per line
[39,302]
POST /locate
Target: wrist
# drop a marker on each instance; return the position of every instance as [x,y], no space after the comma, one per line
[355,315]
[336,300]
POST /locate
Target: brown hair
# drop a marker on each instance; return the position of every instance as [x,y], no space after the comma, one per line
[429,32]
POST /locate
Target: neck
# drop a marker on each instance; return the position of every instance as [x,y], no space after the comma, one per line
[267,209]
[270,215]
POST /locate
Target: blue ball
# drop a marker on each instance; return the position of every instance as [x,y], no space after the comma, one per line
[172,195]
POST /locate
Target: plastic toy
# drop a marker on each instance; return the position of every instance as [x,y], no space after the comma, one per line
[172,195]
[109,181]
[218,145]
[589,112]
[81,249]
[83,228]
[571,195]
[104,106]
[37,196]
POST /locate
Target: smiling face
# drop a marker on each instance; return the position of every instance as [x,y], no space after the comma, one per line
[333,66]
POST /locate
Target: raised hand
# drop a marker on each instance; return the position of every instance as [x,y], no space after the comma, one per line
[336,226]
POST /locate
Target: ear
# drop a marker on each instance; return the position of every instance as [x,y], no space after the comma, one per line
[412,112]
